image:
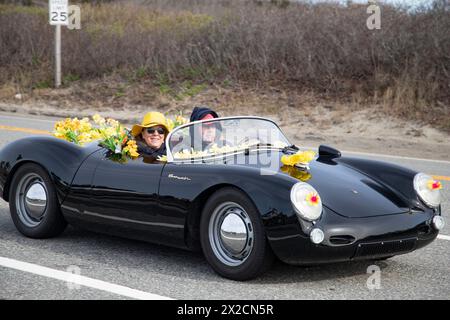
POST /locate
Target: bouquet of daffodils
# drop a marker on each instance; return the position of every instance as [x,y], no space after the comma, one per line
[112,135]
[300,159]
[76,131]
[116,139]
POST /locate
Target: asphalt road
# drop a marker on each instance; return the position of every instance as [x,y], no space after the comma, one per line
[145,269]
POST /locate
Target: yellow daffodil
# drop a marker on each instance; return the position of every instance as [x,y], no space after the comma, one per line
[189,154]
[215,150]
[176,122]
[301,157]
[296,173]
[162,158]
[98,119]
[84,137]
[95,135]
[74,124]
[170,124]
[180,120]
[112,122]
[108,132]
[59,134]
[85,125]
[131,149]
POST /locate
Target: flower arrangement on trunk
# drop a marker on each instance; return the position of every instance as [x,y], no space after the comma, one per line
[78,131]
[112,136]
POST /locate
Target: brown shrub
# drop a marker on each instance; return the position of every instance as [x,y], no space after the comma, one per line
[324,48]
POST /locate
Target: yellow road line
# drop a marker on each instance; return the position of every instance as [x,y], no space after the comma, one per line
[27,130]
[441,178]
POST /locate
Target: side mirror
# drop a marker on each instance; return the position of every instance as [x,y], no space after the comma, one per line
[326,152]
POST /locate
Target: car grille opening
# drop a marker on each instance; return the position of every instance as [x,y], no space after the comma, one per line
[424,230]
[341,240]
[385,248]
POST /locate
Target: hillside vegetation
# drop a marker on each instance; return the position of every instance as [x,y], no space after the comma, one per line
[181,48]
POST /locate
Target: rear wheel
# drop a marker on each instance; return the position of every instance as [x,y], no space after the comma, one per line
[33,203]
[232,236]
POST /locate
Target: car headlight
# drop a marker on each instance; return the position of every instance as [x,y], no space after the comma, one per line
[306,201]
[428,189]
[438,222]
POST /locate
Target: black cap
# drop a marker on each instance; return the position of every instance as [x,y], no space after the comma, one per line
[199,112]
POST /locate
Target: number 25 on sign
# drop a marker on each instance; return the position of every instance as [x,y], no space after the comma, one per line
[59,12]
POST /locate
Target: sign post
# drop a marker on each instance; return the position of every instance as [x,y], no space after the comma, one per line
[58,16]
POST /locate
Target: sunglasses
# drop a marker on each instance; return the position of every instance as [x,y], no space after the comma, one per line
[152,130]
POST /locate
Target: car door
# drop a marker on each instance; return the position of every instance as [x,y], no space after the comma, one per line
[124,198]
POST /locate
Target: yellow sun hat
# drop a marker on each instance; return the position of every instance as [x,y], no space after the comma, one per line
[151,119]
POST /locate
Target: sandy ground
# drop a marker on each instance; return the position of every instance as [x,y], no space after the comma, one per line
[362,130]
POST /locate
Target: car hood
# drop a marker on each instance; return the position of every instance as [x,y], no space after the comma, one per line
[354,194]
[345,190]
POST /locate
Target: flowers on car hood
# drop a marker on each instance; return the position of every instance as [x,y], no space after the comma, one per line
[301,157]
[294,172]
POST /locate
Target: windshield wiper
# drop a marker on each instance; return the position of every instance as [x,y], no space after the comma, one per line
[263,145]
[258,146]
[292,147]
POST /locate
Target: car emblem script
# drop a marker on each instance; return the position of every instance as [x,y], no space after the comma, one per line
[172,176]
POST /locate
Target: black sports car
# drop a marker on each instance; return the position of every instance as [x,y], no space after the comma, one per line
[233,187]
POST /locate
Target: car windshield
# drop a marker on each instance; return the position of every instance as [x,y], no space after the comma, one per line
[217,137]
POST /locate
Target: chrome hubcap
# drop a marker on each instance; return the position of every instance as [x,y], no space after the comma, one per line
[231,233]
[36,200]
[31,200]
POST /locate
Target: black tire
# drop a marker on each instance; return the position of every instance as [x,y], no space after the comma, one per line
[51,223]
[260,256]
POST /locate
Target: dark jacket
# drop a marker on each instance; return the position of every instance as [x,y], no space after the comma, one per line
[147,151]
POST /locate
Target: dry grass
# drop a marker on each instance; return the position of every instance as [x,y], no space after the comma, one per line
[181,48]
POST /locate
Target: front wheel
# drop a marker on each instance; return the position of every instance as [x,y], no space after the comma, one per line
[33,203]
[232,236]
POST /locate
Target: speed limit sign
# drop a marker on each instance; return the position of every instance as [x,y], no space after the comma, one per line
[58,12]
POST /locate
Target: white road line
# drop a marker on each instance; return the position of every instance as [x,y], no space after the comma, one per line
[384,155]
[78,279]
[443,237]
